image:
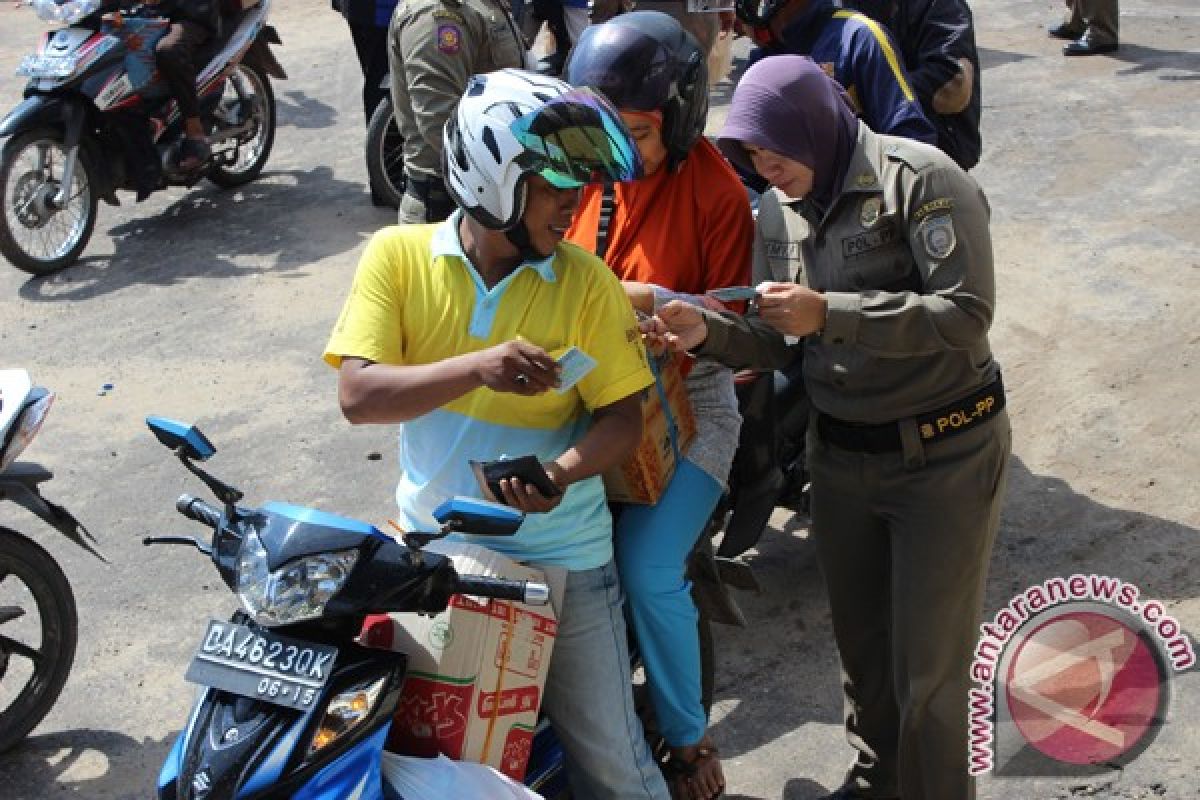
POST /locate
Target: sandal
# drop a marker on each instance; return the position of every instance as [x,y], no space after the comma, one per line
[692,770]
[193,154]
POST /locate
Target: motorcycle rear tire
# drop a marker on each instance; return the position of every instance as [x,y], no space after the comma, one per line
[24,559]
[385,155]
[228,178]
[9,246]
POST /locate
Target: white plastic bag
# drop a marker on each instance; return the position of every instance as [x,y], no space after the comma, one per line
[440,778]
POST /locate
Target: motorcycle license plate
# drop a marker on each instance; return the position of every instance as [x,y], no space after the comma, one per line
[39,66]
[261,664]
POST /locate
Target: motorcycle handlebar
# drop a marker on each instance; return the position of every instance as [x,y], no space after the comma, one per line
[529,592]
[195,508]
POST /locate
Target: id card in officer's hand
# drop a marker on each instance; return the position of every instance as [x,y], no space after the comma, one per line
[733,294]
[574,365]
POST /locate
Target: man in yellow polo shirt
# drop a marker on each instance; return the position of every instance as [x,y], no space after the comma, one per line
[452,330]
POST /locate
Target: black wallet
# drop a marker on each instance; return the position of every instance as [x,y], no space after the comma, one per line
[527,469]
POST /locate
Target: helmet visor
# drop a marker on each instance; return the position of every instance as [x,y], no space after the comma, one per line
[576,139]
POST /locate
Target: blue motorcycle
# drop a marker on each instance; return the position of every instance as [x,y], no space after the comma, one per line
[292,706]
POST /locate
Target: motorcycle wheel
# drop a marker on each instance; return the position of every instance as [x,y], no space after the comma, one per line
[242,160]
[36,235]
[385,154]
[32,675]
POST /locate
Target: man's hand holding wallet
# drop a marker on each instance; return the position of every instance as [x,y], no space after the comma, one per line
[523,483]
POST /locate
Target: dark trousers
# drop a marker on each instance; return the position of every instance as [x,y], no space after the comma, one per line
[371,45]
[904,541]
[176,57]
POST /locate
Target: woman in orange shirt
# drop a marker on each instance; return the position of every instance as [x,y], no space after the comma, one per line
[683,229]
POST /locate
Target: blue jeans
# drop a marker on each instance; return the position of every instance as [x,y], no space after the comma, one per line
[652,544]
[588,696]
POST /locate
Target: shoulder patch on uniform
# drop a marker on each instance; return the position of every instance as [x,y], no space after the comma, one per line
[937,235]
[940,204]
[449,38]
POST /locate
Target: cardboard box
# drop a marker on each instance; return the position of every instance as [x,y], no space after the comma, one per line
[667,432]
[476,671]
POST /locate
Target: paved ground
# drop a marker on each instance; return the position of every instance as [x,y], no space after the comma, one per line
[214,306]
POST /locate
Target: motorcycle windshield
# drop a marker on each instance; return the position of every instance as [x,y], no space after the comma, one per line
[25,426]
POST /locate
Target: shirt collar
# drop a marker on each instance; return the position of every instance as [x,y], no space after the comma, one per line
[446,242]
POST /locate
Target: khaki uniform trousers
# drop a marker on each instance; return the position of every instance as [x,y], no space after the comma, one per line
[1096,18]
[904,541]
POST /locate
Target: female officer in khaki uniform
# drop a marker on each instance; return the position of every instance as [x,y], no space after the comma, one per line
[882,261]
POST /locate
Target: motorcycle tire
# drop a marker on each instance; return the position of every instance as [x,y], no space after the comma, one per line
[385,155]
[26,561]
[24,194]
[231,176]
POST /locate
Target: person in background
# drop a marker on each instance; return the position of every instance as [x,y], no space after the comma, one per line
[451,330]
[368,21]
[852,48]
[1091,25]
[937,39]
[193,24]
[683,229]
[434,47]
[909,445]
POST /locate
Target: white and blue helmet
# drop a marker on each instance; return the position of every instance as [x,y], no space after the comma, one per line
[511,124]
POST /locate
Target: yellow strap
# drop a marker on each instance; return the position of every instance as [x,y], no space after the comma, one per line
[888,52]
[510,628]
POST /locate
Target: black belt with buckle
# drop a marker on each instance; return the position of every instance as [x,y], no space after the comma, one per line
[961,415]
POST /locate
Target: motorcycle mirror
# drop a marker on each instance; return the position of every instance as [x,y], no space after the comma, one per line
[181,438]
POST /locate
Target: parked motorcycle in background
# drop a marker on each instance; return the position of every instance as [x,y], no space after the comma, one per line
[97,118]
[38,623]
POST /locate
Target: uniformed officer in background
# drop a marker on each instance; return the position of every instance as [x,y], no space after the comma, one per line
[937,40]
[435,46]
[1091,25]
[892,296]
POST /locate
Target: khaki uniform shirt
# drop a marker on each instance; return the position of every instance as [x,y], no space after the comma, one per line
[435,45]
[904,258]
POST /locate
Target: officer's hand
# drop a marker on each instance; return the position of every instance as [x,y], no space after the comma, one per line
[678,325]
[517,367]
[791,309]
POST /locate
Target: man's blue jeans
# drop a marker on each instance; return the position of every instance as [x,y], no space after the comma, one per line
[588,695]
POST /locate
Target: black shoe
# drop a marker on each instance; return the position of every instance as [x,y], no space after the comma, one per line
[1086,46]
[1063,31]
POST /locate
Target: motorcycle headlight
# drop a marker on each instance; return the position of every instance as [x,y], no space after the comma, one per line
[70,11]
[345,712]
[295,592]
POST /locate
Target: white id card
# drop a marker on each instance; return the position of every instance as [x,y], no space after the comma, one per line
[575,365]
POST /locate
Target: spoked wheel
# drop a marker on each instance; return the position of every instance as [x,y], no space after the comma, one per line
[248,102]
[385,154]
[38,631]
[42,228]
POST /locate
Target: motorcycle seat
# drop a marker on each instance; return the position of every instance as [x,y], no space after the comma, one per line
[27,473]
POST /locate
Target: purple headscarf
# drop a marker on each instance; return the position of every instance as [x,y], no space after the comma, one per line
[789,105]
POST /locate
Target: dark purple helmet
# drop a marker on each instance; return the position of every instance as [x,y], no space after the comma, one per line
[646,61]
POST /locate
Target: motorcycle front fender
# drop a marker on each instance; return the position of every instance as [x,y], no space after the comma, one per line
[19,483]
[260,57]
[34,111]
